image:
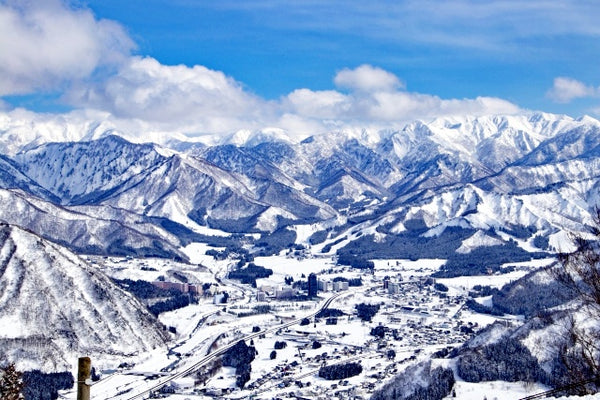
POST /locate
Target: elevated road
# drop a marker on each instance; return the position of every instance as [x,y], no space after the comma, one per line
[217,353]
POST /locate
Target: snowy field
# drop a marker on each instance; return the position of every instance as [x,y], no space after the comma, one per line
[422,319]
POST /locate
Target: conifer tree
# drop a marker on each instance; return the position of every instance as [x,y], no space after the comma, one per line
[11,383]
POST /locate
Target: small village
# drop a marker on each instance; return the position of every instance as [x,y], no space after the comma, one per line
[416,317]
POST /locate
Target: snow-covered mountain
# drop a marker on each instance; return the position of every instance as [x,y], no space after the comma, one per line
[86,172]
[55,307]
[479,192]
[12,178]
[90,229]
[150,181]
[535,171]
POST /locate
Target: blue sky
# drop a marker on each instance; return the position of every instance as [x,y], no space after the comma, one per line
[275,47]
[259,63]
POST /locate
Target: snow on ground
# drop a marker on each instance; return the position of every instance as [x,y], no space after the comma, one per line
[269,220]
[150,269]
[408,267]
[466,283]
[186,319]
[424,319]
[479,239]
[496,390]
[196,252]
[304,232]
[485,301]
[284,266]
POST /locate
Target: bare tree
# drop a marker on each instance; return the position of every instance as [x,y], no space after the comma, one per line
[579,273]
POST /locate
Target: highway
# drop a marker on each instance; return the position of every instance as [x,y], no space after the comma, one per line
[210,357]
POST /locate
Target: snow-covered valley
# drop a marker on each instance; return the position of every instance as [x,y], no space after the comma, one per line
[401,255]
[423,320]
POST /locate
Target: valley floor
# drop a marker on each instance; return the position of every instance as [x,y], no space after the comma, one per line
[419,318]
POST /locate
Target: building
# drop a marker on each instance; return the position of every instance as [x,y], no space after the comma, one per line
[285,293]
[182,287]
[338,286]
[220,298]
[261,296]
[325,286]
[183,383]
[386,282]
[393,288]
[313,285]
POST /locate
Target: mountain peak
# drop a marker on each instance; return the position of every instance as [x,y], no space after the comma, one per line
[248,138]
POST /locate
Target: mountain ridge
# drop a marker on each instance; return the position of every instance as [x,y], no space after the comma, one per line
[58,307]
[265,185]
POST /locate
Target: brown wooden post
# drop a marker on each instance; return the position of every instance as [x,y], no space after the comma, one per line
[84,373]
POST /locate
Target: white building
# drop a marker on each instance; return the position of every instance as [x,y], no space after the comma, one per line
[393,288]
[325,286]
[285,293]
[219,298]
[338,286]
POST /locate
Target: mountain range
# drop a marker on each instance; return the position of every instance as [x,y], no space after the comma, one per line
[477,191]
[499,175]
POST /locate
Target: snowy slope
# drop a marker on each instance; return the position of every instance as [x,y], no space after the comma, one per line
[58,307]
[184,188]
[83,172]
[11,177]
[89,229]
[494,172]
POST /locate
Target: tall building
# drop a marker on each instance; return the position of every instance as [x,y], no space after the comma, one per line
[313,285]
[338,286]
[325,286]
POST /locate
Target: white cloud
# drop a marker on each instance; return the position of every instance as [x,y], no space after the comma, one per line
[191,98]
[567,89]
[378,99]
[44,44]
[197,100]
[317,104]
[367,78]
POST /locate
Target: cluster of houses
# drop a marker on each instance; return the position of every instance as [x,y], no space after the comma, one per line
[314,285]
[219,297]
[182,287]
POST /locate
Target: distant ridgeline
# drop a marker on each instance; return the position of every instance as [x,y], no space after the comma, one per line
[426,189]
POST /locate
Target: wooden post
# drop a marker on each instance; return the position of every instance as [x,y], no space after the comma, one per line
[84,373]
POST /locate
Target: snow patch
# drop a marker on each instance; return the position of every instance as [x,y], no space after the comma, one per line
[479,239]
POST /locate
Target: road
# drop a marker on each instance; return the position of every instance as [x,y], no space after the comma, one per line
[210,357]
[310,373]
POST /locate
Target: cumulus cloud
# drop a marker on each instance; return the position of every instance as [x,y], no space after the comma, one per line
[197,98]
[377,97]
[567,89]
[402,106]
[324,104]
[45,44]
[367,78]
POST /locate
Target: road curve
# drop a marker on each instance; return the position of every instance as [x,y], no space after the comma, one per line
[217,353]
